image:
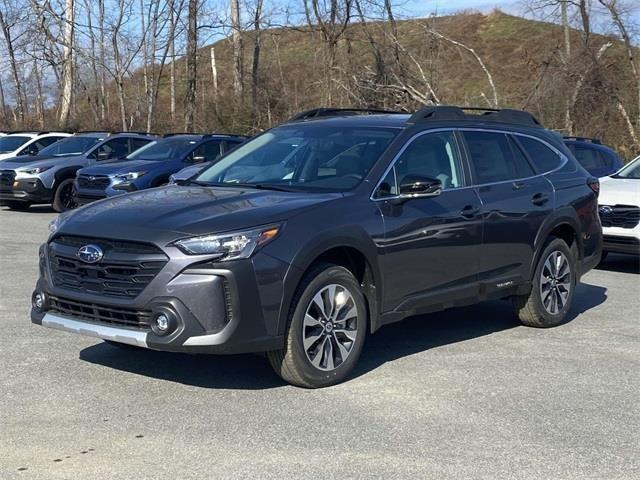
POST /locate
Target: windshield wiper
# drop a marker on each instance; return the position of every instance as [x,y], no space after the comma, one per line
[261,186]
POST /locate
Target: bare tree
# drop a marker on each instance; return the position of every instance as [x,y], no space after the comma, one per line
[192,45]
[257,18]
[238,49]
[9,18]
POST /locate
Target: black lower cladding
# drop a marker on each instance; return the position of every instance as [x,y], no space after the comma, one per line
[615,244]
[113,316]
[30,190]
[125,270]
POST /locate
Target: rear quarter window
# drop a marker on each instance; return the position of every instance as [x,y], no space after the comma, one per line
[543,158]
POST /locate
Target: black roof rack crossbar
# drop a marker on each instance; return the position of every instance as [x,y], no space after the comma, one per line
[583,139]
[331,112]
[448,112]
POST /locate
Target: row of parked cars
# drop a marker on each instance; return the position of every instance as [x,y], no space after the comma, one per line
[303,240]
[66,170]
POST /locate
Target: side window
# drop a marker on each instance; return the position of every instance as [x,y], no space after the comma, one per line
[137,143]
[523,167]
[116,148]
[207,151]
[432,155]
[543,158]
[231,144]
[589,158]
[493,158]
[45,142]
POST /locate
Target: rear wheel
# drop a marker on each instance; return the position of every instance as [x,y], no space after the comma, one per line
[326,331]
[64,197]
[20,206]
[552,289]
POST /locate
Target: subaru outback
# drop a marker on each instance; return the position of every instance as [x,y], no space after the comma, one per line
[320,231]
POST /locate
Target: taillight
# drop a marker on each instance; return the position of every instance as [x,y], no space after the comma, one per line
[594,184]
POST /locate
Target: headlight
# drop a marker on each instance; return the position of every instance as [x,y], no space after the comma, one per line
[29,172]
[127,177]
[229,246]
[56,223]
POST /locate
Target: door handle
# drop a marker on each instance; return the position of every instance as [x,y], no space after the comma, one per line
[539,199]
[469,211]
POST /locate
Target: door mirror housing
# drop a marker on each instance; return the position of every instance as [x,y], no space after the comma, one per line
[415,186]
[196,159]
[102,156]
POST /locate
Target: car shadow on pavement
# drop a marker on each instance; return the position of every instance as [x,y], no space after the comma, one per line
[421,333]
[620,263]
[252,372]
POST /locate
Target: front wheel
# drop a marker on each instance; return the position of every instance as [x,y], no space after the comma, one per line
[326,331]
[553,287]
[64,197]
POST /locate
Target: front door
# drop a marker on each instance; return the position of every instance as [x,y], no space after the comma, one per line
[430,251]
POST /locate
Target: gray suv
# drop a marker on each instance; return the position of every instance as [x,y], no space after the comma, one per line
[48,177]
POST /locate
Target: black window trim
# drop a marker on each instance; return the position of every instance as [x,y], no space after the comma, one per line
[467,160]
[464,172]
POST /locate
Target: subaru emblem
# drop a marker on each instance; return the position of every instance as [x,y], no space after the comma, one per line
[90,254]
[605,210]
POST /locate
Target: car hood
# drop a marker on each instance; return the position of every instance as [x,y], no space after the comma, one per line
[116,167]
[619,191]
[36,161]
[190,171]
[167,213]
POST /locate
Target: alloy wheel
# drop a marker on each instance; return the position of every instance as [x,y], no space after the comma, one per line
[555,282]
[329,329]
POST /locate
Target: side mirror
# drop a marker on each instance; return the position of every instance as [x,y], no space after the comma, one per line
[415,186]
[102,156]
[197,159]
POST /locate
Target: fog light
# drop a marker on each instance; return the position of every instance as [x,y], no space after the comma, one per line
[39,301]
[162,322]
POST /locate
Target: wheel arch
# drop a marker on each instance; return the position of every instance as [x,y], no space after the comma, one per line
[357,253]
[563,224]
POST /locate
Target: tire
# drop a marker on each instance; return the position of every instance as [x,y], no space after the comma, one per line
[64,196]
[552,290]
[327,337]
[19,206]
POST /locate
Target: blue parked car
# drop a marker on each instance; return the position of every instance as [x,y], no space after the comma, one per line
[151,165]
[597,159]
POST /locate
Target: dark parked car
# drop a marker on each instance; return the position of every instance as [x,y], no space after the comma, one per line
[151,165]
[597,159]
[318,232]
[48,177]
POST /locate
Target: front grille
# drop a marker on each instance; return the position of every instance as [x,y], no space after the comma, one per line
[114,316]
[623,216]
[93,181]
[124,271]
[6,178]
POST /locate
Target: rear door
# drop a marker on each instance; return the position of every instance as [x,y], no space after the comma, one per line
[515,202]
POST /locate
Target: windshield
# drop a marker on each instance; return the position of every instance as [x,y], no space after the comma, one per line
[11,143]
[632,170]
[302,157]
[165,149]
[70,146]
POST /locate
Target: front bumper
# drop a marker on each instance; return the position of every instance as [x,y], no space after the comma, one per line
[27,190]
[209,311]
[621,240]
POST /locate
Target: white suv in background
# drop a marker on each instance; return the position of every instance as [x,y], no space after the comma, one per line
[27,143]
[619,207]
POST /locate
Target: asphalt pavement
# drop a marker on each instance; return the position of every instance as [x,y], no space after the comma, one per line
[466,393]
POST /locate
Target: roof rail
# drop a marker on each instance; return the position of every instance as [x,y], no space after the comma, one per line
[331,112]
[583,139]
[134,132]
[450,112]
